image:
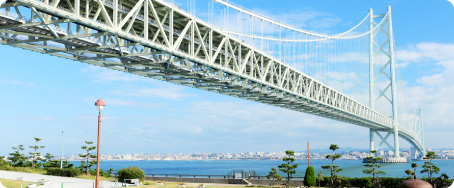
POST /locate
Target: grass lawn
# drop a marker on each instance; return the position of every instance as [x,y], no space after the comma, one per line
[15,183]
[93,177]
[24,169]
[175,184]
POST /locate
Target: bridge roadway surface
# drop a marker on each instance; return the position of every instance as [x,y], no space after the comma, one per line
[56,181]
[193,53]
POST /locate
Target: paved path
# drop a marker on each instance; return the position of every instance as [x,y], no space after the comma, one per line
[56,181]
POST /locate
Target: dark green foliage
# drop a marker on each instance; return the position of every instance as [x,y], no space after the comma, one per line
[409,173]
[36,156]
[334,168]
[2,161]
[130,173]
[289,167]
[391,182]
[56,163]
[88,162]
[320,178]
[67,172]
[387,182]
[361,182]
[101,173]
[18,159]
[429,167]
[373,168]
[443,181]
[274,176]
[309,177]
[110,171]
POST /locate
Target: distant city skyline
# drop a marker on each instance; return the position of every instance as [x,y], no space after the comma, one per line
[345,155]
[43,95]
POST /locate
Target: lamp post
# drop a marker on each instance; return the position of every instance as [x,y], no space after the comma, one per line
[99,105]
[61,159]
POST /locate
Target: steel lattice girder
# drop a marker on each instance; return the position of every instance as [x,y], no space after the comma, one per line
[176,47]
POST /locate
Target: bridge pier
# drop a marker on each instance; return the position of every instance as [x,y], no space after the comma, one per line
[372,144]
[388,76]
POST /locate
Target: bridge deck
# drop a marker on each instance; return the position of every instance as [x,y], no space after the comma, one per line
[157,40]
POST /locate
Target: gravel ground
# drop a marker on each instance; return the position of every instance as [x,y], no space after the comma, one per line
[56,181]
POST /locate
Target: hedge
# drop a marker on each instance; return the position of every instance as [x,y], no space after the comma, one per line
[67,172]
[131,173]
[387,182]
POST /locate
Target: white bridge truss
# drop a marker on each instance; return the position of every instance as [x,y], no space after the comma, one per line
[153,38]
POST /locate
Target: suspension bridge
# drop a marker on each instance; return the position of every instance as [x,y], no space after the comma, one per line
[349,76]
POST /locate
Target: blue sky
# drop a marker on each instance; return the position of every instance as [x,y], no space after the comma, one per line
[43,95]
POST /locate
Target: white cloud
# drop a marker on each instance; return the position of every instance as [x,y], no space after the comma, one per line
[426,51]
[431,80]
[433,92]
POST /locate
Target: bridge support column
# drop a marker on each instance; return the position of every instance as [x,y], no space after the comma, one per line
[371,74]
[396,142]
[393,84]
[372,143]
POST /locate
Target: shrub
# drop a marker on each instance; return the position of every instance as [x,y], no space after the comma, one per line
[361,182]
[131,173]
[67,172]
[101,173]
[309,177]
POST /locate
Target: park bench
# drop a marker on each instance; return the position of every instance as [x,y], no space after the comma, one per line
[131,182]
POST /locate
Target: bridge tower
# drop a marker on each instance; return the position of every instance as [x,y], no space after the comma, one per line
[419,127]
[386,72]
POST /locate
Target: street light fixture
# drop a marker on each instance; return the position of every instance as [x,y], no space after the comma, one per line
[99,105]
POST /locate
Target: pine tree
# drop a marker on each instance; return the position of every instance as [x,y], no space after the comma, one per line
[36,156]
[274,176]
[429,167]
[18,159]
[373,168]
[320,178]
[412,174]
[334,168]
[87,163]
[289,167]
[52,163]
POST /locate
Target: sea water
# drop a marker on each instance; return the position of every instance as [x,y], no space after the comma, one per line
[350,168]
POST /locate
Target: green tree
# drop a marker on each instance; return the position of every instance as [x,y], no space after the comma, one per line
[412,174]
[274,176]
[409,173]
[2,161]
[374,167]
[320,178]
[429,167]
[36,156]
[334,168]
[110,171]
[309,177]
[87,163]
[52,163]
[18,159]
[288,167]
